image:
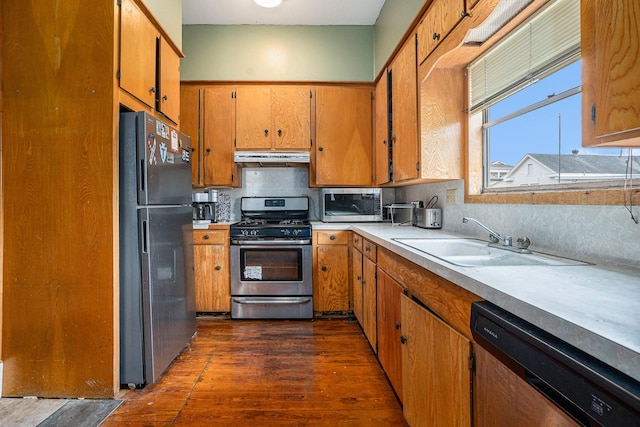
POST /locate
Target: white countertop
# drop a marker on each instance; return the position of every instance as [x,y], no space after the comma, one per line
[595,308]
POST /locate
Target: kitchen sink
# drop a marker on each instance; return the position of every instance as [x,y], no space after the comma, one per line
[474,253]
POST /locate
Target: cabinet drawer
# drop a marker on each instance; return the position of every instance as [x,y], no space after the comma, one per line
[332,237]
[369,249]
[210,237]
[357,242]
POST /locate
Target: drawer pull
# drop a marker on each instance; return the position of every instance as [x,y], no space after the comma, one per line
[218,267]
[332,237]
[206,237]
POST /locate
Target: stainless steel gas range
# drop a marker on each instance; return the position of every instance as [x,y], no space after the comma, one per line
[271,259]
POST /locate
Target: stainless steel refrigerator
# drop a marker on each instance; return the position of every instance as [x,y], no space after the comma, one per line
[157,296]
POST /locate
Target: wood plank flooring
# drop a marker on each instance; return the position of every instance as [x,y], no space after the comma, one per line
[267,373]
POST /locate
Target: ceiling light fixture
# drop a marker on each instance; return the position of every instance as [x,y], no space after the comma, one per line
[268,3]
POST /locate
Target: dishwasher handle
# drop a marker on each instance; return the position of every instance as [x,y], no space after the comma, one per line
[562,402]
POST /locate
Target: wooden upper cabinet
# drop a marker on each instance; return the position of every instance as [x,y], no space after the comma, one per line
[273,118]
[218,133]
[342,151]
[138,43]
[439,19]
[610,37]
[381,138]
[190,125]
[169,81]
[404,113]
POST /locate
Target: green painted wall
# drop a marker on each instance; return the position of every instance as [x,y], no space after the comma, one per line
[394,20]
[169,14]
[277,53]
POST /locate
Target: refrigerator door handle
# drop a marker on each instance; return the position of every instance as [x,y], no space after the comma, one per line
[145,237]
[142,174]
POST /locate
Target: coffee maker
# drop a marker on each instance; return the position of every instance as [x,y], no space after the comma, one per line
[204,207]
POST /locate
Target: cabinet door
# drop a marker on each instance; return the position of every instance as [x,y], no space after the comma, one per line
[190,125]
[253,118]
[169,78]
[369,292]
[441,17]
[138,39]
[356,269]
[381,140]
[218,167]
[436,381]
[343,136]
[291,117]
[404,113]
[617,65]
[331,291]
[388,324]
[211,268]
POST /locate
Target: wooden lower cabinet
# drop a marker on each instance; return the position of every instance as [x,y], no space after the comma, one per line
[365,276]
[389,332]
[502,398]
[436,374]
[330,271]
[211,264]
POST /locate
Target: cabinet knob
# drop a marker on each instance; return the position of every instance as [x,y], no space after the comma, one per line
[403,339]
[218,267]
[153,89]
[356,240]
[384,142]
[193,150]
[266,132]
[436,36]
[206,237]
[320,149]
[324,268]
[332,237]
[164,98]
[397,325]
[279,132]
[367,248]
[208,150]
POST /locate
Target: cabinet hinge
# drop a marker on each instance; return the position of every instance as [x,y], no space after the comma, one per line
[310,94]
[373,96]
[233,94]
[593,113]
[417,166]
[375,275]
[472,362]
[234,142]
[118,75]
[119,3]
[233,177]
[416,39]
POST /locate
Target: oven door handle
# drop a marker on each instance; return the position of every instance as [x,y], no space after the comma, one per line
[278,243]
[282,301]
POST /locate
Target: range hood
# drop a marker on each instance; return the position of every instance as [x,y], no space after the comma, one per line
[272,158]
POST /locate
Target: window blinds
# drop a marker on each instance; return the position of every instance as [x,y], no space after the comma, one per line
[538,47]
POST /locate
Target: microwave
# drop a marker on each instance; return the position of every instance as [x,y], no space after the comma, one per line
[351,205]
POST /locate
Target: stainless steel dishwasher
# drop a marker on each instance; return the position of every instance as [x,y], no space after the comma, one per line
[590,392]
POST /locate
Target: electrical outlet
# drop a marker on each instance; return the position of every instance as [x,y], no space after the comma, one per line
[452,196]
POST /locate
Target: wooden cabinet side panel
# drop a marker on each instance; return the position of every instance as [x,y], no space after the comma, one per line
[291,117]
[331,284]
[343,136]
[138,38]
[618,68]
[190,125]
[442,121]
[389,346]
[212,278]
[169,89]
[449,301]
[218,120]
[253,118]
[381,139]
[502,398]
[405,113]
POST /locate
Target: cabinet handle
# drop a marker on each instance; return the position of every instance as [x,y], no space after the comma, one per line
[206,237]
[384,142]
[364,282]
[266,132]
[153,89]
[193,150]
[164,98]
[359,279]
[367,248]
[356,240]
[332,237]
[397,325]
[208,150]
[436,36]
[320,149]
[279,132]
[403,339]
[324,268]
[218,267]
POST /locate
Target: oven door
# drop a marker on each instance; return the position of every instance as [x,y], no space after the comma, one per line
[271,269]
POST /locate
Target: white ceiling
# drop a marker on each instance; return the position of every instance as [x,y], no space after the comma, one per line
[290,12]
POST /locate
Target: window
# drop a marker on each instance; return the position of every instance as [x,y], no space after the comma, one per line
[527,91]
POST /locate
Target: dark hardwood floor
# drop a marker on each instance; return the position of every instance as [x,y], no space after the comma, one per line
[267,373]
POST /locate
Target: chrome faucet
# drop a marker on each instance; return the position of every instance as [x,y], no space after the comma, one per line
[522,243]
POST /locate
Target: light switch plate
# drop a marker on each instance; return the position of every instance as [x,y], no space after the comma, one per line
[452,196]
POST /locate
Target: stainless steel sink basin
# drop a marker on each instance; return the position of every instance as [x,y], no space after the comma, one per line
[473,253]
